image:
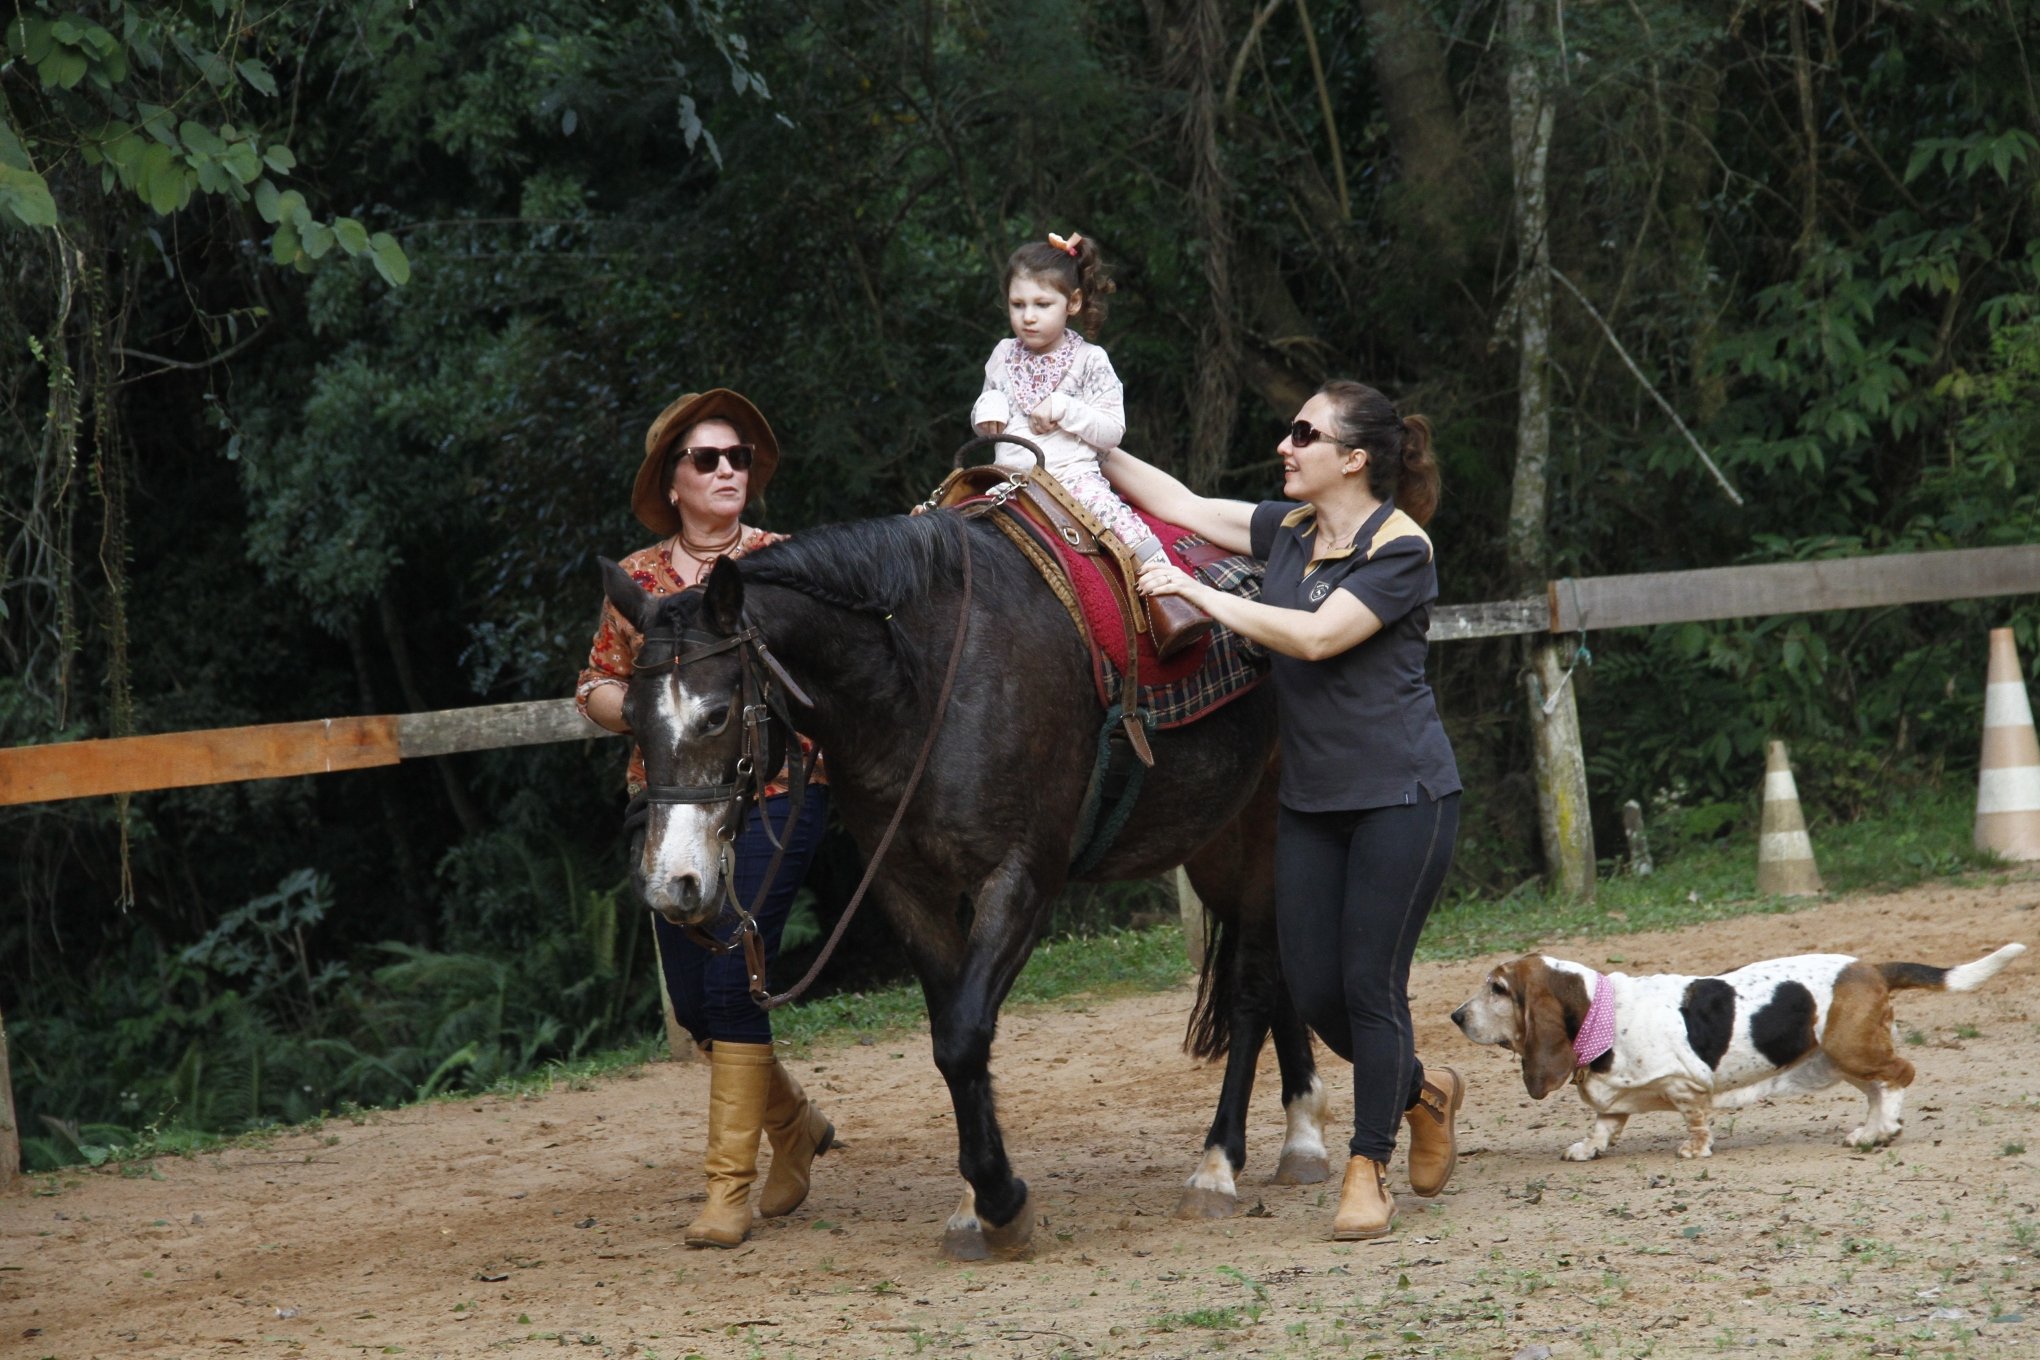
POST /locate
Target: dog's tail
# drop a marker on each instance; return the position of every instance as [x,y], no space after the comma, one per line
[1964,978]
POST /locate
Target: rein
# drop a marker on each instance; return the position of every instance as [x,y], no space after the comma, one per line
[748,787]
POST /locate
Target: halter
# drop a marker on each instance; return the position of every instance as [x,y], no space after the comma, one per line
[763,687]
[774,684]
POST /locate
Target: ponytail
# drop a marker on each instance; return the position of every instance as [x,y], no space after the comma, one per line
[1400,462]
[1416,488]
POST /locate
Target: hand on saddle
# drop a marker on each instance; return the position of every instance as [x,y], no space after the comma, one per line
[1160,576]
[988,428]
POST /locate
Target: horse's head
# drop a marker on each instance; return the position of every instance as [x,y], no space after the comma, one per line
[696,705]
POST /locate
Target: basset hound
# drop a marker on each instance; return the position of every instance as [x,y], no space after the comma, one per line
[1783,1027]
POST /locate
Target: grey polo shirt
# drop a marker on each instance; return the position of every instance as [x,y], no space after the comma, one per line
[1360,729]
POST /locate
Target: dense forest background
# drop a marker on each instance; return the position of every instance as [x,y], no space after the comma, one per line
[329,330]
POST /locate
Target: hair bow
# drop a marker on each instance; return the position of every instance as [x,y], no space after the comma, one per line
[1068,247]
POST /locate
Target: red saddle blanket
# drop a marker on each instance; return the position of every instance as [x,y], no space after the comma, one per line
[1216,668]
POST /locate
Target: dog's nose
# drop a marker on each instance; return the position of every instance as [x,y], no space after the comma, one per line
[1459,1017]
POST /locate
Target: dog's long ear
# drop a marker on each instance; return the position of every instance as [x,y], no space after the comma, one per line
[1548,1060]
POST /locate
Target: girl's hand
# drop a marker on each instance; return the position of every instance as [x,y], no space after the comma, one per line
[1039,420]
[1159,576]
[991,427]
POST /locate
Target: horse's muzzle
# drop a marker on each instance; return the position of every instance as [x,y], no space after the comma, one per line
[679,899]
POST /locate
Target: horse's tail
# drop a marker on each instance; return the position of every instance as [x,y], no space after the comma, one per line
[1209,1035]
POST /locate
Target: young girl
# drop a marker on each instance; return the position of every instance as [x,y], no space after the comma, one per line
[1050,385]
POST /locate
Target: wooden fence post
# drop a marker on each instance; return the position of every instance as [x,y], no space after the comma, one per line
[10,1132]
[1561,766]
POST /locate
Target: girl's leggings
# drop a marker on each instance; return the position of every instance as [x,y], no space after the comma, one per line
[1353,890]
[711,993]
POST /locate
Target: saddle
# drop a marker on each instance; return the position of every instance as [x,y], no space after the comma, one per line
[1031,506]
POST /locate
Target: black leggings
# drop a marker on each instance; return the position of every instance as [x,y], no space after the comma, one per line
[1353,890]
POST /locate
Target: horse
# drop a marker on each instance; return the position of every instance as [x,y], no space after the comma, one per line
[853,623]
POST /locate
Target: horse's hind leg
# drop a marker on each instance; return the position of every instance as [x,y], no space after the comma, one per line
[1304,1103]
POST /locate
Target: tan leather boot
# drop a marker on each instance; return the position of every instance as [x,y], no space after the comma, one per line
[1434,1149]
[1366,1209]
[739,1080]
[799,1134]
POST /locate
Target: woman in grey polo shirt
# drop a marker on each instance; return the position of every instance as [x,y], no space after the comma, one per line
[1369,790]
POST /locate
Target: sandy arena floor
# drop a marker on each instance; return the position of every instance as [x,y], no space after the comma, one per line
[516,1226]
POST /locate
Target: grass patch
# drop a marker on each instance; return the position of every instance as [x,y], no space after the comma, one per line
[1117,963]
[1929,837]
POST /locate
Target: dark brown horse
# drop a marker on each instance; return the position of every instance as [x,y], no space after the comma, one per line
[862,618]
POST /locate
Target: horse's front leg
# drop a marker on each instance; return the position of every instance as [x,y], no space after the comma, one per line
[996,1215]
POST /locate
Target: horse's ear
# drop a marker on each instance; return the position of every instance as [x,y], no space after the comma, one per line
[636,605]
[722,603]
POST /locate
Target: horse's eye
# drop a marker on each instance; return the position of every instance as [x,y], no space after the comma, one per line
[715,718]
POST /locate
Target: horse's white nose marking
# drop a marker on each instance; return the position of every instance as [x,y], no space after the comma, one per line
[679,837]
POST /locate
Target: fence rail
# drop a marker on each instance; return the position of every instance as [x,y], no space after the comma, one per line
[83,769]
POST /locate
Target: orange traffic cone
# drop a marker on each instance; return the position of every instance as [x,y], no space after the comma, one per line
[1785,866]
[2008,777]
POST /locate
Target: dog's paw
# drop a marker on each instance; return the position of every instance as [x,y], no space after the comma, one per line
[1688,1150]
[1871,1135]
[1582,1151]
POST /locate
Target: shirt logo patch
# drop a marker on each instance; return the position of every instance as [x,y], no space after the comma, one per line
[1320,590]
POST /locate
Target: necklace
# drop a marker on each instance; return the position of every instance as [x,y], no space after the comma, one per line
[710,553]
[699,558]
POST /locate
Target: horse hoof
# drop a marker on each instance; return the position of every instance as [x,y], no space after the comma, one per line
[964,1244]
[1012,1239]
[1198,1202]
[1299,1168]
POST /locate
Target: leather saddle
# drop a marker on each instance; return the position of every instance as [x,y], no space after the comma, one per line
[1032,502]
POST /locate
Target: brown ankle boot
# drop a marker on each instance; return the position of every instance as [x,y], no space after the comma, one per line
[739,1080]
[799,1134]
[1366,1209]
[1434,1149]
[1177,623]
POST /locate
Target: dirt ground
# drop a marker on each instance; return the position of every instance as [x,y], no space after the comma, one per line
[519,1225]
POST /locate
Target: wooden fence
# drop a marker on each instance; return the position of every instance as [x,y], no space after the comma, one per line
[83,769]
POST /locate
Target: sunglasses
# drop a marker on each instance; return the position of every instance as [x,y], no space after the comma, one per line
[1303,434]
[707,457]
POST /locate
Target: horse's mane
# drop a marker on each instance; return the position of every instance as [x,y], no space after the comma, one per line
[873,566]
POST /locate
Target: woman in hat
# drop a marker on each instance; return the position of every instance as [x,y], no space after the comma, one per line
[707,457]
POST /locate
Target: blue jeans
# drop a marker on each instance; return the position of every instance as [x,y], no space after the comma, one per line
[711,993]
[1353,890]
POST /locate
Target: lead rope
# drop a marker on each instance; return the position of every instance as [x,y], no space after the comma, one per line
[754,944]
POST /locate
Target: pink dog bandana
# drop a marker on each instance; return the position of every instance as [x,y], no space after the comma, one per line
[1597,1026]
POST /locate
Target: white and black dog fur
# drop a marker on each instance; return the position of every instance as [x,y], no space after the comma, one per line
[1782,1027]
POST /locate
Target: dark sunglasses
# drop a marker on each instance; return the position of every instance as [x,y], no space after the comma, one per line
[1303,434]
[707,457]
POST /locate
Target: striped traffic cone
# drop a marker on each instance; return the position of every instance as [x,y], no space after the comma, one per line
[2008,777]
[1785,866]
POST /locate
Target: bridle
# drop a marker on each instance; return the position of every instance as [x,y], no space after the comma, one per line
[767,733]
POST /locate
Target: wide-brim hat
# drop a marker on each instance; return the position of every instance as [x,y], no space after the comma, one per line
[648,496]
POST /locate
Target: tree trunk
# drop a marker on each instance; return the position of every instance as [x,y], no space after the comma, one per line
[1408,56]
[1560,765]
[1196,62]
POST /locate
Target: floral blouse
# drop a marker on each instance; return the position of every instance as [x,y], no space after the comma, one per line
[611,658]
